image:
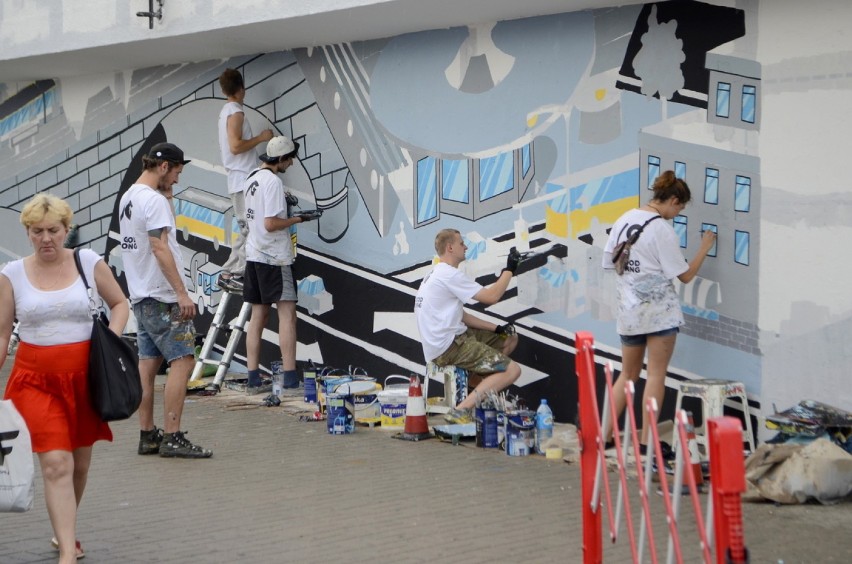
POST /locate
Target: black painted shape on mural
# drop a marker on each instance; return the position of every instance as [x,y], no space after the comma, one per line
[131,175]
[702,27]
[24,96]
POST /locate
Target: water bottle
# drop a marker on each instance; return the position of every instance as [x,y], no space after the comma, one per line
[543,425]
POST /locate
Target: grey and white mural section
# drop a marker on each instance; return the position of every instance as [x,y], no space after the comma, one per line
[535,133]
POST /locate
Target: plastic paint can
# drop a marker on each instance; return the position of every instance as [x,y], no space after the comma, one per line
[393,401]
[340,412]
[520,432]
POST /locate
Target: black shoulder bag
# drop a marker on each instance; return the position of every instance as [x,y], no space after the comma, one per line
[621,252]
[115,388]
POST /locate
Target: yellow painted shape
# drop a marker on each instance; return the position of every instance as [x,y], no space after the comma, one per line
[200,228]
[580,221]
[600,93]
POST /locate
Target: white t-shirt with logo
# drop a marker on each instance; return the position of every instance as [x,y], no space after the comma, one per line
[141,210]
[238,166]
[647,301]
[264,194]
[439,305]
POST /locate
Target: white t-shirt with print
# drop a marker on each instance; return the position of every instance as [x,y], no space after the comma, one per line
[141,210]
[264,194]
[647,301]
[238,166]
[439,305]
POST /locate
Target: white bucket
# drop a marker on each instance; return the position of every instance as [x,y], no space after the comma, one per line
[393,401]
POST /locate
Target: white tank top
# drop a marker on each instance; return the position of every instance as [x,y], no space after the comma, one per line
[244,162]
[54,317]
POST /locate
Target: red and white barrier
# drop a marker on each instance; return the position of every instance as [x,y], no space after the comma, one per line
[726,464]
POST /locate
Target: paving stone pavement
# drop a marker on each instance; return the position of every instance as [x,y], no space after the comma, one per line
[281,490]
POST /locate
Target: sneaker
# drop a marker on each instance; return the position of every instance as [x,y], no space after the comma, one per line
[230,284]
[264,387]
[459,416]
[176,445]
[149,441]
[293,384]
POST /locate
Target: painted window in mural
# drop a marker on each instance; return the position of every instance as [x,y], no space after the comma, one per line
[204,215]
[427,190]
[496,175]
[680,169]
[711,186]
[723,99]
[526,160]
[455,182]
[714,229]
[749,99]
[653,170]
[680,223]
[742,194]
[741,244]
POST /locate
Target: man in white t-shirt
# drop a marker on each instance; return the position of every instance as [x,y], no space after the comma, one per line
[236,144]
[164,310]
[450,335]
[269,277]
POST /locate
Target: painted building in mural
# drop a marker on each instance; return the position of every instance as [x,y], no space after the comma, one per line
[533,133]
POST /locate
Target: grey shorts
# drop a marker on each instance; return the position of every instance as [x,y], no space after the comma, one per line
[161,332]
[476,351]
[268,283]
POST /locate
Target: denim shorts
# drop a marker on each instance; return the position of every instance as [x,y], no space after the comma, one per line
[161,332]
[476,351]
[640,340]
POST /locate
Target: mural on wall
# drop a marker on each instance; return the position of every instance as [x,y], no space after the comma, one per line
[535,133]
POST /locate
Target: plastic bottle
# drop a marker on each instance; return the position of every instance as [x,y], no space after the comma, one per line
[543,426]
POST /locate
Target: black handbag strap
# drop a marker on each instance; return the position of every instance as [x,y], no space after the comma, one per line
[93,310]
[635,236]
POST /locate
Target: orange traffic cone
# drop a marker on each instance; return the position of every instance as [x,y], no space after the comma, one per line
[694,455]
[416,426]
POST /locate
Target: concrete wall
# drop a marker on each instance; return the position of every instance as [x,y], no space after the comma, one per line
[553,119]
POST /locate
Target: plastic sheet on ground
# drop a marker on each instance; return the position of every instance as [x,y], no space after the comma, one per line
[796,473]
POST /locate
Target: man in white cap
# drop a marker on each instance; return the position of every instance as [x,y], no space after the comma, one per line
[270,255]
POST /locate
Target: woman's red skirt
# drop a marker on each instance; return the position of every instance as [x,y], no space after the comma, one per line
[50,388]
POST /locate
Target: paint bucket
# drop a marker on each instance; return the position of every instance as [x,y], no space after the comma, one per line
[501,429]
[365,399]
[340,412]
[392,402]
[327,384]
[520,432]
[486,427]
[310,376]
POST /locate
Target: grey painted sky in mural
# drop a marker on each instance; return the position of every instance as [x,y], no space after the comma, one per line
[414,101]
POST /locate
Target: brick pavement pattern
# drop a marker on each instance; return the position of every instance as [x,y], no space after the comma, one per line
[281,490]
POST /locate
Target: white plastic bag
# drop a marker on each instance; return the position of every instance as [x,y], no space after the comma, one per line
[16,461]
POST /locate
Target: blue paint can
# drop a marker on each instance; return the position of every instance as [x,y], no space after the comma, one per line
[486,428]
[310,376]
[520,432]
[340,412]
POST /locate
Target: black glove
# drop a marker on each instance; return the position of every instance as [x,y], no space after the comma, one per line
[508,330]
[309,215]
[513,260]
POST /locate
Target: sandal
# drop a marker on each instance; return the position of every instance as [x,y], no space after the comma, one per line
[80,553]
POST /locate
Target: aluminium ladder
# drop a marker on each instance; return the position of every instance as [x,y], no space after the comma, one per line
[237,328]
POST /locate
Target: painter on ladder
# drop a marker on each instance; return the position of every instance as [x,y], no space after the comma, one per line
[450,335]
